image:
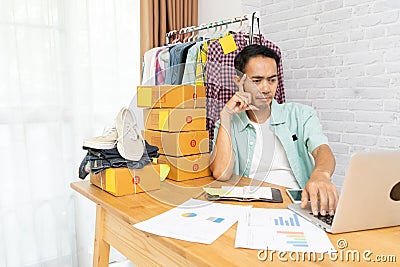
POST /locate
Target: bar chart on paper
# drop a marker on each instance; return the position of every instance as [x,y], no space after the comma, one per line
[290,231]
[281,230]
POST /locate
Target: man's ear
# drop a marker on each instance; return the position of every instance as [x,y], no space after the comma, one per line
[236,79]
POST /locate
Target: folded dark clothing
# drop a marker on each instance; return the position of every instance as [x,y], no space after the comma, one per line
[97,160]
[150,150]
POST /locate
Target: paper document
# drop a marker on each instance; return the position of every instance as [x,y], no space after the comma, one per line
[281,230]
[194,221]
[241,192]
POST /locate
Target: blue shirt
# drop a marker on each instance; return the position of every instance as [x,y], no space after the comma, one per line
[297,127]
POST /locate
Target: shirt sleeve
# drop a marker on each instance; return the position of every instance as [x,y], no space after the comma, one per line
[313,135]
[234,148]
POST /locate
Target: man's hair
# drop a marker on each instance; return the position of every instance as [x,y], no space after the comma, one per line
[251,51]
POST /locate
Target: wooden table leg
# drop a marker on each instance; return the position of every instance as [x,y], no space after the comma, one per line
[101,247]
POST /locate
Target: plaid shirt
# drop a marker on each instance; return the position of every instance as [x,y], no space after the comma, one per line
[219,76]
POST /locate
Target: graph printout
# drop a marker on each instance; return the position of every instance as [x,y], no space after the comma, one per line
[281,230]
[194,221]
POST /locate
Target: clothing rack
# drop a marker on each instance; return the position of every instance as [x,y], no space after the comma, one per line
[209,25]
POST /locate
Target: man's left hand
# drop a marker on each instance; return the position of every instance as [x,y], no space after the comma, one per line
[320,188]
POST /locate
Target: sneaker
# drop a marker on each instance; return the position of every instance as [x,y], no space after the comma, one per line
[130,143]
[107,141]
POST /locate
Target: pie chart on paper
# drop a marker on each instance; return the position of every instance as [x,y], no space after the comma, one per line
[189,214]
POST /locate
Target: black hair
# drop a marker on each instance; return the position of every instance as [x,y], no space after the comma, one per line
[251,51]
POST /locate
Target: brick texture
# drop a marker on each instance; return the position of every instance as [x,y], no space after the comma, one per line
[342,57]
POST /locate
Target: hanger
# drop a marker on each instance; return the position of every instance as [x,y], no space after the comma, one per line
[224,31]
[188,30]
[171,34]
[194,36]
[217,32]
[178,36]
[190,38]
[202,27]
[207,34]
[240,26]
[250,36]
[215,25]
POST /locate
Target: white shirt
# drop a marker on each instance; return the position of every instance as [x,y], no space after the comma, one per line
[270,163]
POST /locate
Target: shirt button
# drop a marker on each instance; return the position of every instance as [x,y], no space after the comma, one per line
[248,160]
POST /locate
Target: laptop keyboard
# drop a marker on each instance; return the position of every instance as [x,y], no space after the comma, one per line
[328,219]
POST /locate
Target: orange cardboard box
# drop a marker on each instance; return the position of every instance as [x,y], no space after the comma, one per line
[178,144]
[175,120]
[188,167]
[124,181]
[171,96]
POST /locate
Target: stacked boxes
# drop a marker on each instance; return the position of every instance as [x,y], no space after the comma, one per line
[175,121]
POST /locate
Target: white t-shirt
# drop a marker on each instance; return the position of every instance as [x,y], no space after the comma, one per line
[270,163]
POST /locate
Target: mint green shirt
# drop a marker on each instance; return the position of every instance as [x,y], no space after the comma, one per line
[297,127]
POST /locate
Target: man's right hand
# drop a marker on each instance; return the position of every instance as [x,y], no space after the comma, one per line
[240,101]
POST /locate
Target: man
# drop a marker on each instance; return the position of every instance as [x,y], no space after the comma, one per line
[252,124]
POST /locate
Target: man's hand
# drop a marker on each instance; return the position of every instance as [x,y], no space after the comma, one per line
[241,100]
[319,187]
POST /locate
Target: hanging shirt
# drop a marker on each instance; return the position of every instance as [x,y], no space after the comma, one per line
[162,62]
[189,74]
[178,55]
[219,76]
[148,66]
[201,63]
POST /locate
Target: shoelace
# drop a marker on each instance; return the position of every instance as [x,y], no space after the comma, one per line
[107,132]
[129,129]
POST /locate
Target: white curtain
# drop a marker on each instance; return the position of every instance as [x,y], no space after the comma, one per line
[66,68]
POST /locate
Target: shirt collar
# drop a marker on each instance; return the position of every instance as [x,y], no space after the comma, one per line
[277,113]
[277,116]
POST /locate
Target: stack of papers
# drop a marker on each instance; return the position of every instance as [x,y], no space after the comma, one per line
[281,230]
[195,221]
[262,229]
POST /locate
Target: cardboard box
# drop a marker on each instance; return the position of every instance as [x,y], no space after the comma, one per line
[178,144]
[187,168]
[175,120]
[171,96]
[124,181]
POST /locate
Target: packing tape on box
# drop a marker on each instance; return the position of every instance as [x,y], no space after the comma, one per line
[195,96]
[101,180]
[164,169]
[162,120]
[159,96]
[134,181]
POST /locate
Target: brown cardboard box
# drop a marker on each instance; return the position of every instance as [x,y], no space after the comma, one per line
[175,120]
[178,144]
[124,181]
[171,96]
[188,167]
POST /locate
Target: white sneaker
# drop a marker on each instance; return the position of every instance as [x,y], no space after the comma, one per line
[107,141]
[130,143]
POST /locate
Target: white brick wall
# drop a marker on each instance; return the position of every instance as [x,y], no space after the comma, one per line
[343,58]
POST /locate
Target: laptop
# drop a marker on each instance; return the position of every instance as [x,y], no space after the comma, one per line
[370,196]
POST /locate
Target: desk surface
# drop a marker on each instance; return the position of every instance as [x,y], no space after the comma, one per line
[117,214]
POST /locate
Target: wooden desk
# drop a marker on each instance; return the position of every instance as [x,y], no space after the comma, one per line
[116,215]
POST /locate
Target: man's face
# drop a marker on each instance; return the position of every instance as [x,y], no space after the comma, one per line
[262,80]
